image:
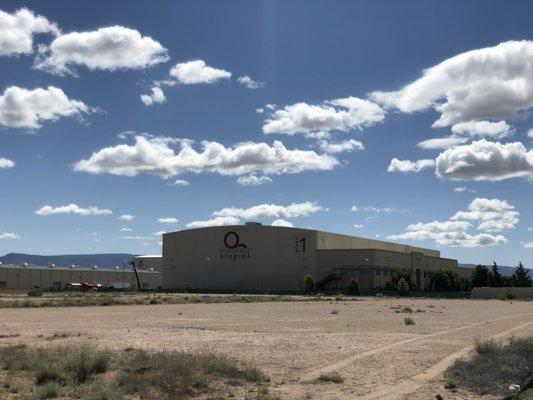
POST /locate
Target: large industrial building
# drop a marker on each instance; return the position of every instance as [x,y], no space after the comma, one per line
[254,257]
[56,278]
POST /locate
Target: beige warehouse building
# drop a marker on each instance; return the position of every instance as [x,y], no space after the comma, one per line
[254,257]
[43,277]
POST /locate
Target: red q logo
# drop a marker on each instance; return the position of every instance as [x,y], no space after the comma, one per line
[232,241]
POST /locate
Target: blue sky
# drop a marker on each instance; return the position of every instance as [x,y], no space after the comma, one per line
[337,76]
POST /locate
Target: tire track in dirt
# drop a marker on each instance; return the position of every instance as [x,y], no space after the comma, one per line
[315,373]
[415,382]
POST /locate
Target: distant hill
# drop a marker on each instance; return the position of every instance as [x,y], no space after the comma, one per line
[81,260]
[505,270]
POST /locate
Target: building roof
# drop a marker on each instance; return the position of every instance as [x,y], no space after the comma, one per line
[80,269]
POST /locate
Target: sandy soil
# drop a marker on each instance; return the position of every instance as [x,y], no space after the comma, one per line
[365,341]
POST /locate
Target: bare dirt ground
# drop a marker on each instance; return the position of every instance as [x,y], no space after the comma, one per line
[365,341]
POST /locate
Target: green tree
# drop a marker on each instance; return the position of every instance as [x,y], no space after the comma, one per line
[521,276]
[480,276]
[403,286]
[495,277]
[352,287]
[441,282]
[397,275]
[308,284]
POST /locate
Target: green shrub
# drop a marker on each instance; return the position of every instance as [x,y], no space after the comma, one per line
[409,321]
[308,284]
[352,287]
[35,293]
[488,346]
[403,286]
[333,377]
[48,391]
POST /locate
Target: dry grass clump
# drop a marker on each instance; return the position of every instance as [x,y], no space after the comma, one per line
[409,321]
[494,366]
[332,377]
[89,373]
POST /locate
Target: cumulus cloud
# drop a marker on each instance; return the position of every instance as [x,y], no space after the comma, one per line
[461,189]
[482,128]
[253,180]
[23,108]
[126,217]
[282,222]
[154,156]
[249,82]
[528,245]
[409,166]
[530,133]
[485,161]
[358,226]
[73,209]
[195,72]
[167,220]
[110,48]
[181,182]
[17,31]
[484,84]
[6,163]
[218,221]
[125,229]
[341,147]
[442,143]
[271,211]
[9,235]
[333,115]
[157,97]
[494,215]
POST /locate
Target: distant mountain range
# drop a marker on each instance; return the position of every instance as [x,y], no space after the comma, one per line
[81,260]
[505,270]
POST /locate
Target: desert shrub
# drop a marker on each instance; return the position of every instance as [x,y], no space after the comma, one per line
[333,377]
[409,321]
[508,294]
[308,284]
[402,286]
[488,346]
[352,287]
[50,390]
[35,293]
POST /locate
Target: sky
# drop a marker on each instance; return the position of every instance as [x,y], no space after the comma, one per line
[407,121]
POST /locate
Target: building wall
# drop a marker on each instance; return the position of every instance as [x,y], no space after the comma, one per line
[275,258]
[45,278]
[147,262]
[499,293]
[330,241]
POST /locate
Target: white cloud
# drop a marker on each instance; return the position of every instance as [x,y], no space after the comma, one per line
[181,182]
[530,133]
[485,161]
[9,235]
[17,31]
[483,84]
[340,147]
[23,108]
[358,226]
[253,180]
[442,143]
[110,48]
[482,128]
[409,166]
[137,237]
[382,210]
[126,217]
[154,156]
[461,189]
[249,82]
[218,221]
[157,97]
[354,208]
[282,222]
[159,233]
[259,110]
[334,115]
[125,229]
[168,220]
[72,209]
[528,245]
[494,215]
[195,72]
[271,211]
[6,163]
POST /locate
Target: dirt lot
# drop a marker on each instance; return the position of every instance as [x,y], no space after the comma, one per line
[365,341]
